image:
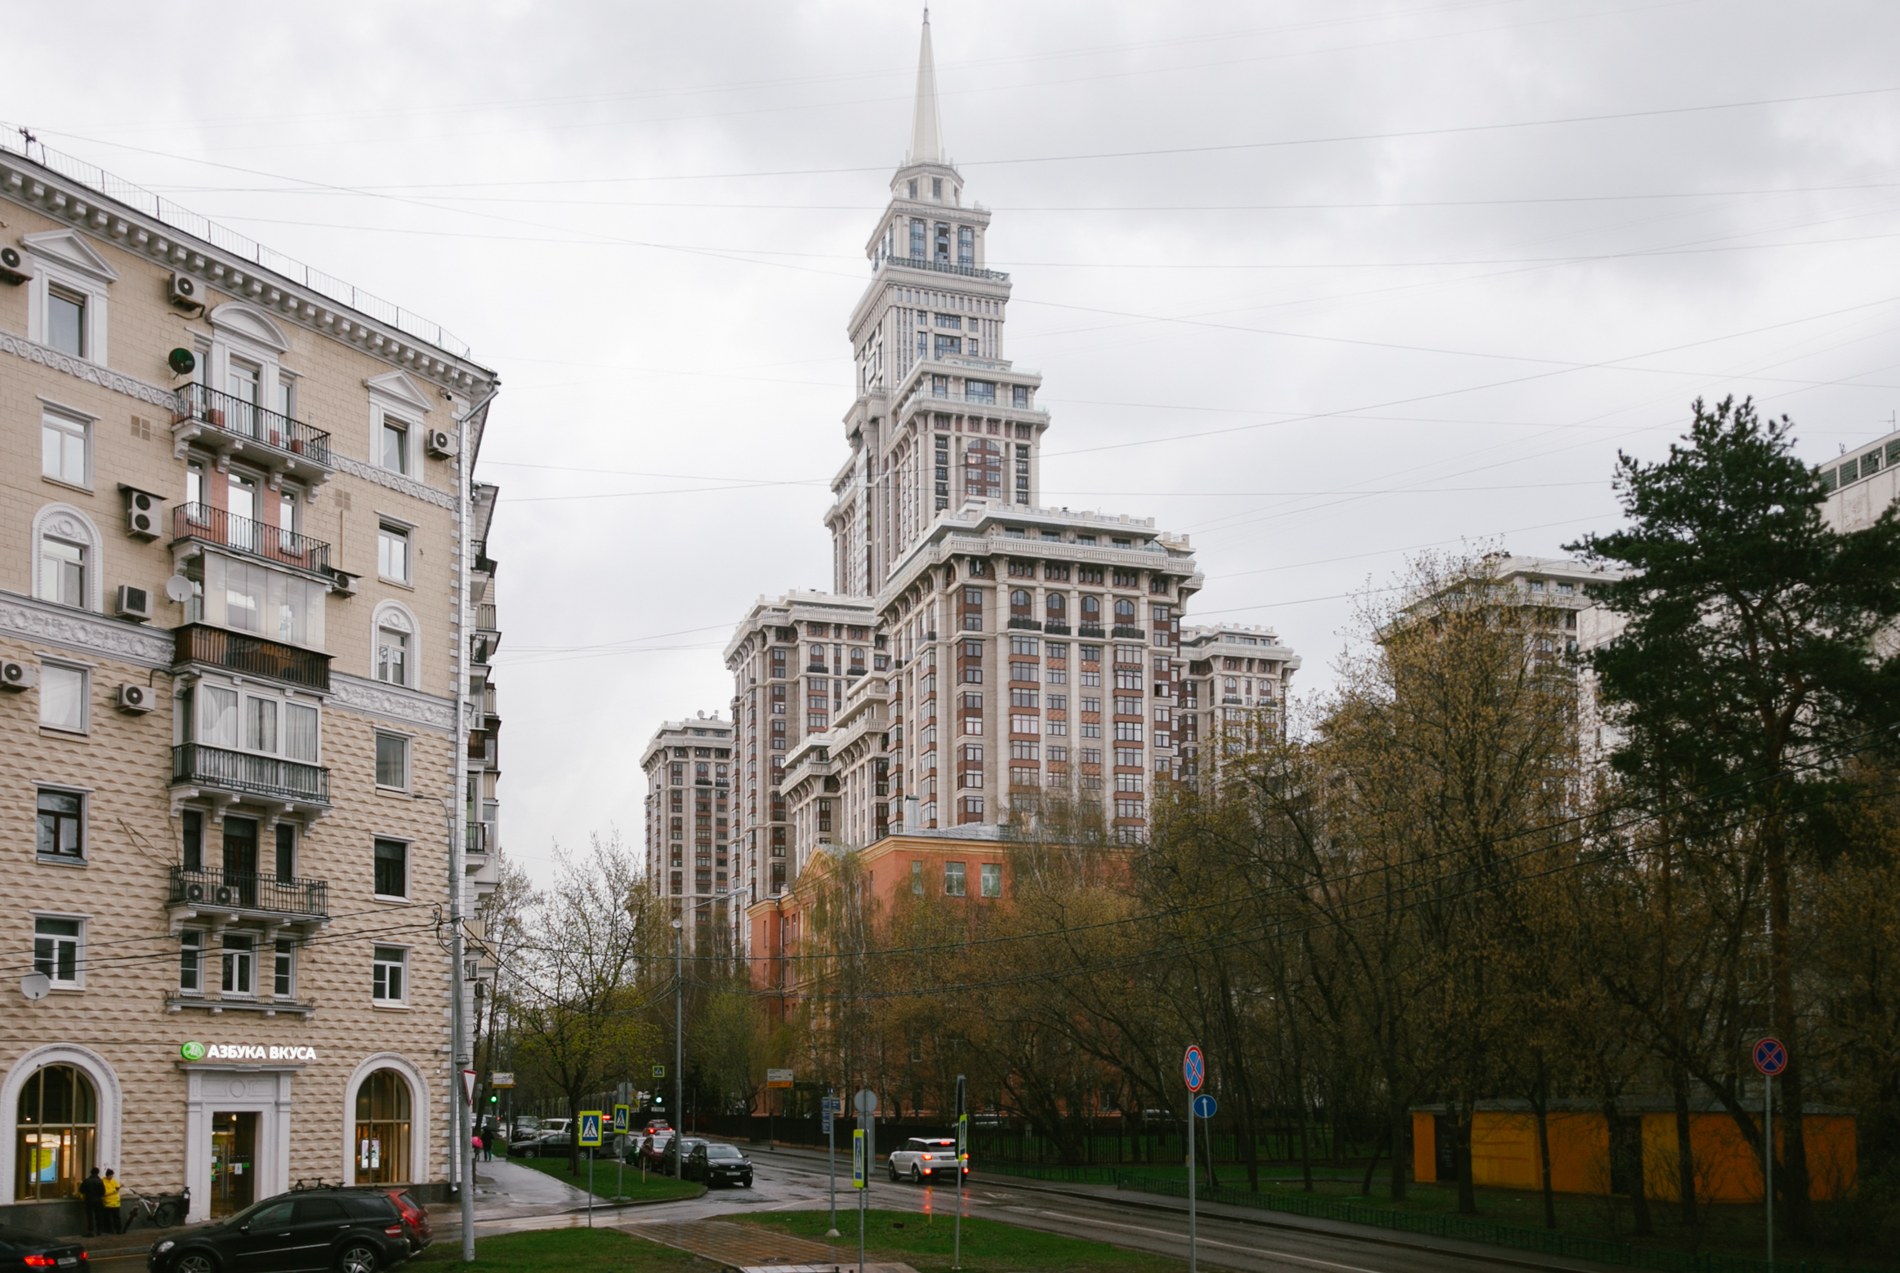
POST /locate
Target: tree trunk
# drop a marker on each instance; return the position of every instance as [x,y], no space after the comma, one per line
[1541,1104]
[1792,1166]
[1685,1148]
[1460,1123]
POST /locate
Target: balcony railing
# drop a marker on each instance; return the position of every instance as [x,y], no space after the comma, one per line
[250,892]
[240,419]
[944,267]
[246,774]
[251,656]
[485,618]
[477,837]
[254,539]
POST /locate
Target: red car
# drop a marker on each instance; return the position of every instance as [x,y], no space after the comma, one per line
[415,1219]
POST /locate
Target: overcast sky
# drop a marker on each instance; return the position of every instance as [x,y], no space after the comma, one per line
[1316,282]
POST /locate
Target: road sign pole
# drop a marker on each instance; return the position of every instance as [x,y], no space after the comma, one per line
[1193,1074]
[590,1188]
[1768,1157]
[963,1158]
[831,1160]
[1190,1166]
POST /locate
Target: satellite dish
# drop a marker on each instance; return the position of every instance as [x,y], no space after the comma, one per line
[34,986]
[179,589]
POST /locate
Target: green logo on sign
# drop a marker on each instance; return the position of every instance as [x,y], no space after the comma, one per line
[192,1050]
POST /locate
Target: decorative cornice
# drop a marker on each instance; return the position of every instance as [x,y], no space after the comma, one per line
[82,630]
[91,372]
[405,707]
[309,305]
[394,481]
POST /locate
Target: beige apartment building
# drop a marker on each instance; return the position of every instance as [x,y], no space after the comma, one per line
[245,721]
[1233,694]
[688,765]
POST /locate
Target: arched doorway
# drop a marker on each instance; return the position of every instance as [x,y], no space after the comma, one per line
[56,1133]
[384,1127]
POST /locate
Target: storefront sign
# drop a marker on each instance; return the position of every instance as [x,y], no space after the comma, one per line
[192,1050]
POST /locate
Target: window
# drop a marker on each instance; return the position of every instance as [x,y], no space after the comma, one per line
[392,868]
[56,1130]
[992,879]
[389,974]
[953,879]
[56,946]
[284,969]
[917,878]
[63,565]
[63,697]
[392,553]
[383,1129]
[66,448]
[286,853]
[240,965]
[62,830]
[66,321]
[191,961]
[393,450]
[393,662]
[966,245]
[392,761]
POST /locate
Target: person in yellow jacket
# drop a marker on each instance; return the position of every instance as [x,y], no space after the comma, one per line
[112,1203]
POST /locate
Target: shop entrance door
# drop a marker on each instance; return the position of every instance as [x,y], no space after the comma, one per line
[233,1161]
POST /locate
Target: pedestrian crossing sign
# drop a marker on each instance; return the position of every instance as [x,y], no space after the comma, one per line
[590,1129]
[621,1119]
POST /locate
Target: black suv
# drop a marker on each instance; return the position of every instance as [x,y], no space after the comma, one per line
[349,1230]
[716,1164]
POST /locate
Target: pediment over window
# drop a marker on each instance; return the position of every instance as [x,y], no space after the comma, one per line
[399,388]
[64,247]
[235,318]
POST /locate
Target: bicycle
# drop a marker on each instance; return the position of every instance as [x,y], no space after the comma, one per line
[161,1212]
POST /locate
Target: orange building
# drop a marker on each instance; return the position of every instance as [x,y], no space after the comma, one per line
[1504,1152]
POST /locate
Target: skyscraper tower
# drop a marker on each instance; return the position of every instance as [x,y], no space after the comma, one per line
[940,415]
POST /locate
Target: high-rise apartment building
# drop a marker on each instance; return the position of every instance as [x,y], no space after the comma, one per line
[1233,694]
[243,620]
[688,765]
[981,658]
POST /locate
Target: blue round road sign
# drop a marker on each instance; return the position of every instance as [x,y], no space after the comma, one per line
[1194,1068]
[1771,1057]
[1204,1106]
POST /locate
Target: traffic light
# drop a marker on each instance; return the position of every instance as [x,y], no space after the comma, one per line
[494,1097]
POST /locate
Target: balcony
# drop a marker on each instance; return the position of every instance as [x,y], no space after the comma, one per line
[245,895]
[229,425]
[478,838]
[1023,623]
[1123,633]
[250,656]
[244,776]
[942,267]
[1091,630]
[201,523]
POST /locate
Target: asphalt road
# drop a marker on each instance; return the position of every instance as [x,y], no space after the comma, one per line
[796,1180]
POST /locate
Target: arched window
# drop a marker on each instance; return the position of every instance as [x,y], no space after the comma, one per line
[56,1133]
[66,567]
[383,1129]
[1124,611]
[1019,603]
[1058,606]
[396,655]
[1091,609]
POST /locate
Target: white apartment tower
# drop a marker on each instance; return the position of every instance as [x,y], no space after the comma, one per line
[688,764]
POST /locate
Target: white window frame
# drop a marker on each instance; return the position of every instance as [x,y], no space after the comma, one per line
[67,421]
[244,957]
[284,952]
[406,844]
[63,259]
[191,946]
[389,525]
[377,963]
[408,760]
[397,398]
[397,617]
[62,521]
[78,980]
[85,695]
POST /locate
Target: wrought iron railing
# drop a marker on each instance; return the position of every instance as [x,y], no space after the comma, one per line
[477,837]
[253,538]
[249,891]
[242,419]
[250,775]
[250,656]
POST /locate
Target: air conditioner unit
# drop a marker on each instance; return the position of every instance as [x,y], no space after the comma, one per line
[342,583]
[14,268]
[143,512]
[194,892]
[440,442]
[185,292]
[226,894]
[133,603]
[135,698]
[18,676]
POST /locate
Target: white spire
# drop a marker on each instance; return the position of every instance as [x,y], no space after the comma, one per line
[926,135]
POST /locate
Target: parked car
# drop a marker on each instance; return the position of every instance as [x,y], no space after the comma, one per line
[349,1230]
[658,1125]
[22,1250]
[553,1136]
[676,1159]
[415,1219]
[653,1150]
[926,1158]
[717,1164]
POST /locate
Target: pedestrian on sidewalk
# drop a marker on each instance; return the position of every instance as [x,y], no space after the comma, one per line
[111,1200]
[476,1142]
[92,1192]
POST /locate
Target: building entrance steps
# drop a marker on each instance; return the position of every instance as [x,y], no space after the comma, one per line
[740,1246]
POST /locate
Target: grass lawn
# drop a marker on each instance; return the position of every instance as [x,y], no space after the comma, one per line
[607,1250]
[609,1177]
[988,1247]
